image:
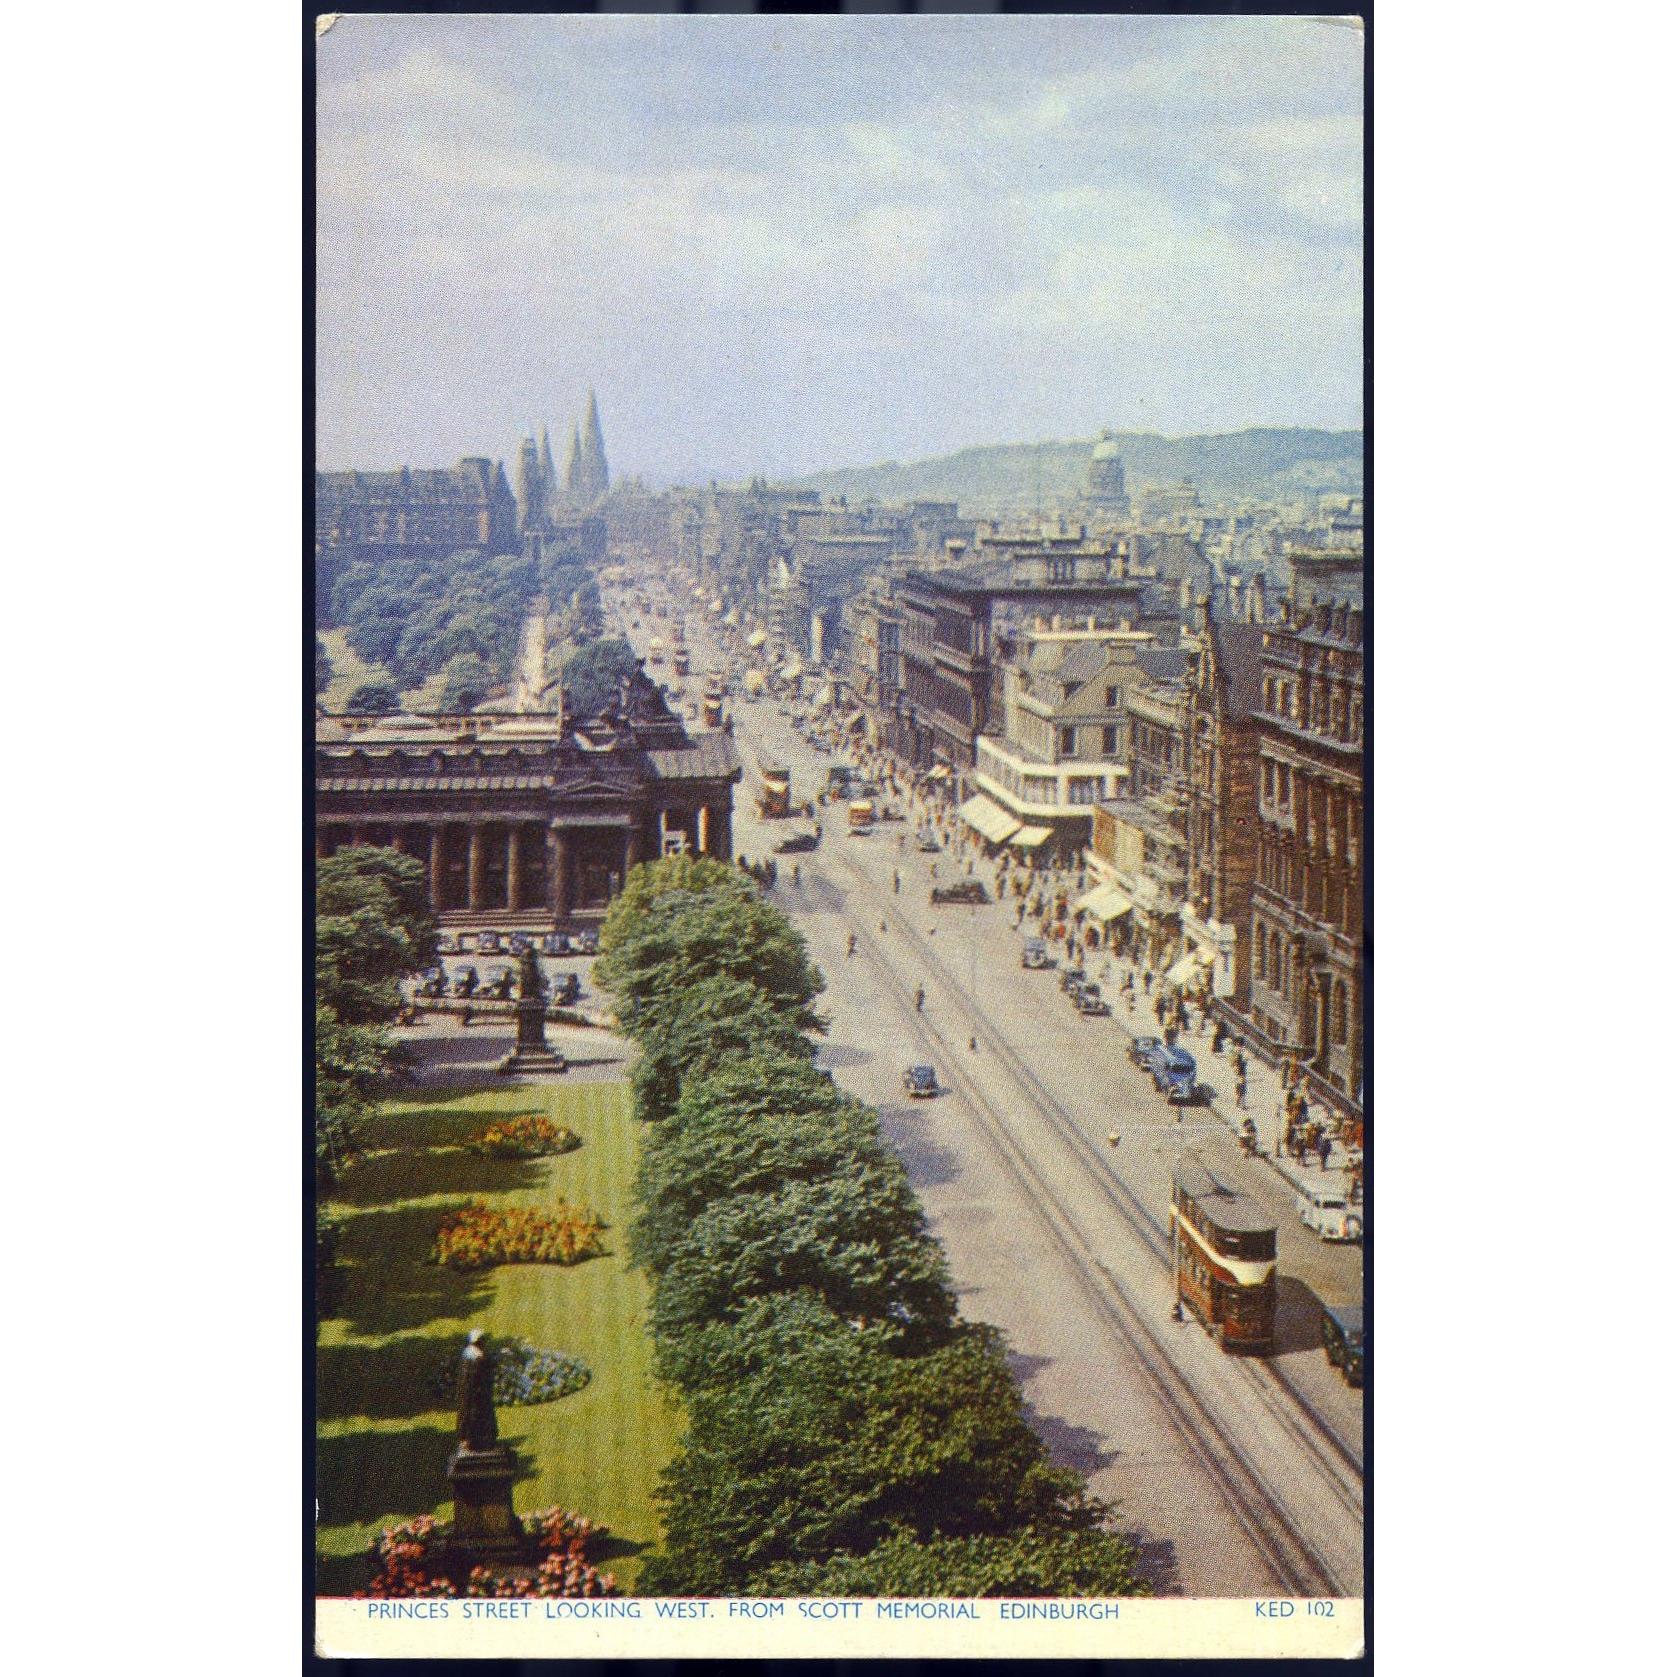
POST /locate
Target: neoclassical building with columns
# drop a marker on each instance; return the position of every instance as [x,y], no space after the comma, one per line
[526,821]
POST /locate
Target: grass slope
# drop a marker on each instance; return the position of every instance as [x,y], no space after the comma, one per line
[350,671]
[383,1438]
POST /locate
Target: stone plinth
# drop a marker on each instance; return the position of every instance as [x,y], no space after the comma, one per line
[532,1053]
[486,1531]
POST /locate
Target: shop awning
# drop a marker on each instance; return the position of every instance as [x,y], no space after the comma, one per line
[988,818]
[941,772]
[1104,903]
[1186,971]
[757,637]
[1028,838]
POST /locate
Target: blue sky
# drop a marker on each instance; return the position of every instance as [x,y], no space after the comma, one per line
[782,244]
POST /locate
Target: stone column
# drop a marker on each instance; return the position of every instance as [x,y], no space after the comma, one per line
[435,865]
[514,835]
[635,851]
[702,847]
[725,833]
[559,872]
[474,867]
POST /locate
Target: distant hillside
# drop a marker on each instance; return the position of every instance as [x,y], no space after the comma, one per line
[1280,463]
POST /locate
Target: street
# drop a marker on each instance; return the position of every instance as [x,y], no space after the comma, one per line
[1239,1476]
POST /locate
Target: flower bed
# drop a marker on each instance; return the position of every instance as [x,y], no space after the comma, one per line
[411,1561]
[524,1373]
[529,1136]
[476,1237]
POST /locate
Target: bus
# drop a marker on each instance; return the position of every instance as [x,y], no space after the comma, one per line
[774,801]
[1224,1245]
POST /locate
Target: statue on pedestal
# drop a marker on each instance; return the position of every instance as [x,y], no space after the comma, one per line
[481,1469]
[531,1052]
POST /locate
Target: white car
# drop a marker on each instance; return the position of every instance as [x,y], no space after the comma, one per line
[1330,1215]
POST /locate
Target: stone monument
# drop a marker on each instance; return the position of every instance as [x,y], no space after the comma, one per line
[481,1469]
[531,1052]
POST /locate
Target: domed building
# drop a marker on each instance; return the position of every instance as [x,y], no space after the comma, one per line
[1106,477]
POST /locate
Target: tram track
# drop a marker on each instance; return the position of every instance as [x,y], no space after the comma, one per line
[1341,1465]
[1294,1559]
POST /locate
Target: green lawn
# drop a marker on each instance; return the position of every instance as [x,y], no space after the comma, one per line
[350,672]
[384,1437]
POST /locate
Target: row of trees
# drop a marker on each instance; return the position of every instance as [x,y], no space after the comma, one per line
[848,1433]
[373,926]
[458,613]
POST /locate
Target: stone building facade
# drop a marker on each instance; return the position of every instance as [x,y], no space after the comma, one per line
[442,510]
[525,821]
[1307,898]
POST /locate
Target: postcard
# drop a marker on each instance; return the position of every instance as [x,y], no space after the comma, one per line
[841,935]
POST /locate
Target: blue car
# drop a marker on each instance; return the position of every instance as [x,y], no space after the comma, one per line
[1175,1075]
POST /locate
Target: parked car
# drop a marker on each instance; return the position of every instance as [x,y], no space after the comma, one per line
[920,1082]
[499,987]
[1035,954]
[448,943]
[1090,1003]
[489,943]
[795,843]
[962,891]
[1174,1074]
[565,990]
[1070,979]
[1329,1214]
[929,845]
[518,943]
[465,981]
[433,982]
[1342,1340]
[555,943]
[588,941]
[1141,1050]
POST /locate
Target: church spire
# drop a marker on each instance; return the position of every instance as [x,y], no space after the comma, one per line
[573,463]
[596,479]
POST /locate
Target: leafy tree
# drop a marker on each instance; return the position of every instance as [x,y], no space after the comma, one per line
[717,1019]
[466,681]
[1019,1564]
[373,926]
[843,1445]
[373,698]
[322,667]
[592,674]
[856,1237]
[682,922]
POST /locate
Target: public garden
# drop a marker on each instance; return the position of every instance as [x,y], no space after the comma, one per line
[393,1320]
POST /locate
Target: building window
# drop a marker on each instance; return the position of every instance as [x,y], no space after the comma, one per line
[1112,698]
[1068,742]
[1109,742]
[1269,781]
[1338,1021]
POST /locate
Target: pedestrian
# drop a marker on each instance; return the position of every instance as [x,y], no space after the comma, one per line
[1218,1037]
[1147,981]
[465,1017]
[794,873]
[920,998]
[1324,1146]
[882,928]
[1240,1090]
[896,883]
[972,1043]
[1170,1036]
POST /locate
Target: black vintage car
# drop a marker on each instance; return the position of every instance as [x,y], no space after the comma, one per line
[962,891]
[920,1082]
[795,843]
[1342,1340]
[465,981]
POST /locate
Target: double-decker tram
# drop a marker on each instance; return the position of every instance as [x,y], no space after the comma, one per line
[1224,1243]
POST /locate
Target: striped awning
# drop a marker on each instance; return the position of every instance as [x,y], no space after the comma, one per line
[1028,838]
[988,818]
[1187,970]
[1104,903]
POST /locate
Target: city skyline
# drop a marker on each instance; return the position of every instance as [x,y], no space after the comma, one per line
[822,243]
